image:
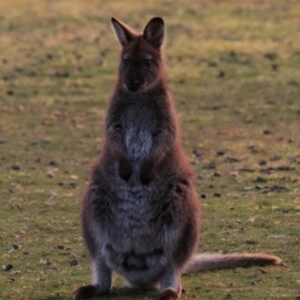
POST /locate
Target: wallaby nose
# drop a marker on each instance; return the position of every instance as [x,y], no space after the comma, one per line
[133,85]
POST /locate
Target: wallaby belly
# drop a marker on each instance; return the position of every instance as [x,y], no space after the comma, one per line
[135,243]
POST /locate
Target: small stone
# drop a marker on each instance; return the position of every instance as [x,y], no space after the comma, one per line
[250,242]
[230,159]
[220,153]
[16,246]
[16,167]
[262,162]
[50,174]
[221,74]
[274,67]
[7,267]
[212,64]
[17,272]
[72,185]
[74,262]
[266,132]
[271,55]
[53,163]
[61,74]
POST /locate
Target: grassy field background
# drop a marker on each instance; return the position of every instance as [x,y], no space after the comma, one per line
[234,69]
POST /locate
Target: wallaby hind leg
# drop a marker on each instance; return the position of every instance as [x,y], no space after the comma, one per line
[170,285]
[101,283]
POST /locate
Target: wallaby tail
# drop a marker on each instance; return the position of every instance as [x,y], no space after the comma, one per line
[211,261]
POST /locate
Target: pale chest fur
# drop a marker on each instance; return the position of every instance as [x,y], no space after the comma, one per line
[139,125]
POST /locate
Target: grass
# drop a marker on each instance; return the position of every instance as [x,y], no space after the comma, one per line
[234,70]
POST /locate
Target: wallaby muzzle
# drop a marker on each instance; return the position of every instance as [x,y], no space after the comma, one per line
[134,84]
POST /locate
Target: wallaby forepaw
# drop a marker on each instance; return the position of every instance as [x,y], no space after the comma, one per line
[169,295]
[85,292]
[147,173]
[125,169]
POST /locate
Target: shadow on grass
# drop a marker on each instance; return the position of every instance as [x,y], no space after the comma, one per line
[119,293]
[51,298]
[127,293]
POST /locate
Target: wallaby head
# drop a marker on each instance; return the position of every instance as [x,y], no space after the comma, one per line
[141,62]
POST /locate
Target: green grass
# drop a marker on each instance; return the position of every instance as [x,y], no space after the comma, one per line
[234,69]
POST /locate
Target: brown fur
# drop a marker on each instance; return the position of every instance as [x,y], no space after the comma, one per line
[169,295]
[140,214]
[85,292]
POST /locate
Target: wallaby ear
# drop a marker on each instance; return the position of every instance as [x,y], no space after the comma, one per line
[124,34]
[154,32]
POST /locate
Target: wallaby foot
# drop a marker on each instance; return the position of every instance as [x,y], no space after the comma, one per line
[169,294]
[170,285]
[85,292]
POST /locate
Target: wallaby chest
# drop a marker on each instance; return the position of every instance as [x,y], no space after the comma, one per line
[139,125]
[139,121]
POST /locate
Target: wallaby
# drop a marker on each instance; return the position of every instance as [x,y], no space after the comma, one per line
[140,214]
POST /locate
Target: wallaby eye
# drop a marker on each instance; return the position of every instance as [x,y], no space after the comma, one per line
[125,62]
[148,62]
